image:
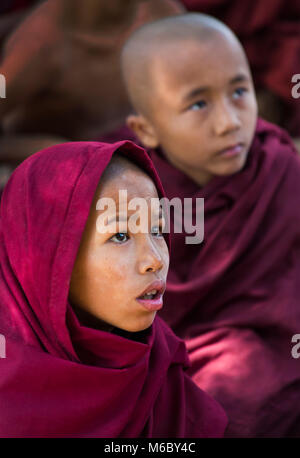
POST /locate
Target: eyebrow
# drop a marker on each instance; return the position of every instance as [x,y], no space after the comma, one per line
[195,92]
[116,219]
[119,218]
[241,77]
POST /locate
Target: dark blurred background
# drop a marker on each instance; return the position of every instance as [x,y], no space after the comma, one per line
[60,59]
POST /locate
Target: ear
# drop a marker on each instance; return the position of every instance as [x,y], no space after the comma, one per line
[143,130]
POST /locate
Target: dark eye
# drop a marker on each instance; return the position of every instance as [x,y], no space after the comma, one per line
[120,237]
[239,92]
[198,105]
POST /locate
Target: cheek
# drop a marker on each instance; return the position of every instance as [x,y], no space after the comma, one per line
[115,276]
[178,138]
[166,255]
[171,130]
[250,111]
[105,283]
[113,273]
[250,121]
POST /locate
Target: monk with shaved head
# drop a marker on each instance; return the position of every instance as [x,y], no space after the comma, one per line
[234,297]
[179,105]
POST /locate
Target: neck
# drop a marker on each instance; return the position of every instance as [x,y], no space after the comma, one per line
[91,321]
[201,177]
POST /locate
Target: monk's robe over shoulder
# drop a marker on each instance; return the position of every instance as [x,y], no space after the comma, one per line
[60,378]
[236,297]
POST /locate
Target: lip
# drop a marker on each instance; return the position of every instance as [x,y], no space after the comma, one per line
[232,150]
[157,302]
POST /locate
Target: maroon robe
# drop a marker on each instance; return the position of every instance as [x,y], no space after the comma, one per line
[59,378]
[235,298]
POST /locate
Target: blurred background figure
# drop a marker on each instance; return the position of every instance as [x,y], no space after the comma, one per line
[12,12]
[60,59]
[62,71]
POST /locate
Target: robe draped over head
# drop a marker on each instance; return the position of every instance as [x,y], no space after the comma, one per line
[59,378]
[235,298]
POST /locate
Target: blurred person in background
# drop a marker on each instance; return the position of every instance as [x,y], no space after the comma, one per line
[12,12]
[62,65]
[62,72]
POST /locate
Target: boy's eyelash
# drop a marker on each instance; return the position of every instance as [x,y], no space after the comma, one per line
[198,103]
[243,89]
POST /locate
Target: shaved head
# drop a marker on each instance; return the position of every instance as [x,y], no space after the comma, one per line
[190,84]
[151,41]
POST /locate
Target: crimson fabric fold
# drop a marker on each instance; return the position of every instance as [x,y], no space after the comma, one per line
[235,298]
[59,378]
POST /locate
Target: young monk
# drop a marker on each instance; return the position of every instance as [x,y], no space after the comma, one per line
[234,297]
[85,354]
[270,35]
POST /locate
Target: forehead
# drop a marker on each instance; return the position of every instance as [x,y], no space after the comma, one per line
[135,181]
[202,61]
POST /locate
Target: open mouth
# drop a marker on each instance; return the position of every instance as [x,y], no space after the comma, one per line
[152,297]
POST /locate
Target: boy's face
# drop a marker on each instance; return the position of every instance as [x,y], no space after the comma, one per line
[203,108]
[113,269]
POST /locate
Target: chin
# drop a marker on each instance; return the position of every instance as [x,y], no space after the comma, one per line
[140,325]
[233,166]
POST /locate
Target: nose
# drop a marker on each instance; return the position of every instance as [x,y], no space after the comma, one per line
[226,119]
[150,259]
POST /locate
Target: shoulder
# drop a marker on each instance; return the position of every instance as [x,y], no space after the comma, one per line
[171,344]
[277,146]
[38,30]
[283,162]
